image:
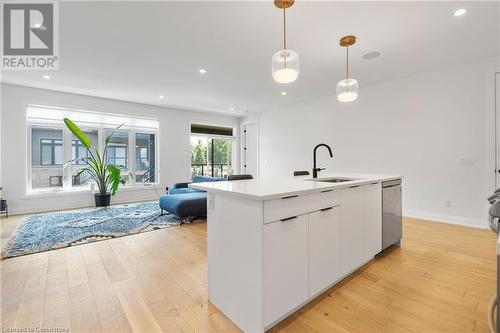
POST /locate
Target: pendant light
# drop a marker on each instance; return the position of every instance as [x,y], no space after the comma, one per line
[285,63]
[347,90]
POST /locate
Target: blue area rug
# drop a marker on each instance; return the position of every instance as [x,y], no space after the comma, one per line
[67,228]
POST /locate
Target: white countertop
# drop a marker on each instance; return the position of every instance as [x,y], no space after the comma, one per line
[266,189]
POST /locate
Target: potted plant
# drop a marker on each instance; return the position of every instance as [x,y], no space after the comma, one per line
[106,175]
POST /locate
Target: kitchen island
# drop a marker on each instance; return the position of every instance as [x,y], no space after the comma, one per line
[274,245]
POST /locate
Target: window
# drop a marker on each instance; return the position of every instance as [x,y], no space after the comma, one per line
[78,154]
[221,152]
[117,155]
[50,151]
[145,168]
[211,151]
[117,152]
[46,157]
[53,148]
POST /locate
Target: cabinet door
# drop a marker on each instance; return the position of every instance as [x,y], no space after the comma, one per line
[373,219]
[285,267]
[324,247]
[352,233]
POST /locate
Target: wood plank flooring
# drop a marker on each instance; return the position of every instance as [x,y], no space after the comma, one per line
[441,280]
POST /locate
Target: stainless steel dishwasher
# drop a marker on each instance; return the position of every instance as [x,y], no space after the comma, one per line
[392,220]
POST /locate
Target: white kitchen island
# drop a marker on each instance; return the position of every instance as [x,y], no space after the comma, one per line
[274,245]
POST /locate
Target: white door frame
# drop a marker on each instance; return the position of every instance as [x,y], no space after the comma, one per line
[242,145]
[496,109]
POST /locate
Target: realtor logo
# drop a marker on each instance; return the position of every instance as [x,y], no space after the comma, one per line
[30,32]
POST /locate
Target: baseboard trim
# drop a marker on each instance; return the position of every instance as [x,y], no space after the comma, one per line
[478,224]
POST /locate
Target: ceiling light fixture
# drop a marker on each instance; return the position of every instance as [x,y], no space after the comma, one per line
[285,63]
[371,55]
[202,71]
[46,77]
[161,97]
[283,93]
[231,109]
[460,12]
[347,89]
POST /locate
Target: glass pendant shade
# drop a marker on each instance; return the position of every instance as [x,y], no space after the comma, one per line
[285,66]
[347,90]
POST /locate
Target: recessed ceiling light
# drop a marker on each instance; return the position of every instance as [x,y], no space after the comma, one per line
[46,77]
[202,71]
[161,97]
[283,93]
[460,12]
[231,109]
[371,55]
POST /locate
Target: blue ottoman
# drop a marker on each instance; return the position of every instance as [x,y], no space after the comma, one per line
[185,204]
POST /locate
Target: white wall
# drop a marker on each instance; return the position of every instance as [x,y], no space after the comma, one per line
[436,129]
[173,139]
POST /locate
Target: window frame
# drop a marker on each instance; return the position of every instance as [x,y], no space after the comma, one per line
[67,147]
[85,129]
[77,144]
[133,149]
[211,137]
[112,147]
[52,145]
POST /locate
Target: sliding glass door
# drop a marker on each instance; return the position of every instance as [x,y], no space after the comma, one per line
[220,154]
[211,156]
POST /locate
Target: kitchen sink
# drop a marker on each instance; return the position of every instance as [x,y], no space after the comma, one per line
[332,180]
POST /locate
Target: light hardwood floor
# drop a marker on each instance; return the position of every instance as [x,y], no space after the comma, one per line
[441,280]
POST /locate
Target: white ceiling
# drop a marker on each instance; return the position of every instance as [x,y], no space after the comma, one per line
[136,51]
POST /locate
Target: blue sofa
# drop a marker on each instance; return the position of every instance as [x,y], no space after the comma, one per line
[184,201]
[181,188]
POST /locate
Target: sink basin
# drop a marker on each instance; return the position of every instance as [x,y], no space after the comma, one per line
[332,180]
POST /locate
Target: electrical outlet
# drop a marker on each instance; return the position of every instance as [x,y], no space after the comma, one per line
[468,162]
[447,203]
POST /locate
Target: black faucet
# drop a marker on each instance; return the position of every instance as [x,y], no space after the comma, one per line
[315,169]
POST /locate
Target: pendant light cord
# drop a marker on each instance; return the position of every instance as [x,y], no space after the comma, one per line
[284,26]
[347,67]
[284,34]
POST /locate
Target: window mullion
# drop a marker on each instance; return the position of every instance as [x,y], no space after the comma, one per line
[101,136]
[212,156]
[131,156]
[67,168]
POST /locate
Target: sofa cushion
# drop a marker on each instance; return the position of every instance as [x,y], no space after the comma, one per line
[207,179]
[185,204]
[183,190]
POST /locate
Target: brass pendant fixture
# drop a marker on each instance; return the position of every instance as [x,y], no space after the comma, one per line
[285,63]
[347,89]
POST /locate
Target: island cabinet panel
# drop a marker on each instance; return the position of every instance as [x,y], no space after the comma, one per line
[324,249]
[285,267]
[290,205]
[267,258]
[352,229]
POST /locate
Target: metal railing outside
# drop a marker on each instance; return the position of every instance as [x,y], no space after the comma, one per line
[219,169]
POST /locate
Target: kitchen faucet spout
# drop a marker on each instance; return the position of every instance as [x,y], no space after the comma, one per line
[315,169]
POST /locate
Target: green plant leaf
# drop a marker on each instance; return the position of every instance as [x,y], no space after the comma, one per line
[78,133]
[114,177]
[82,170]
[113,133]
